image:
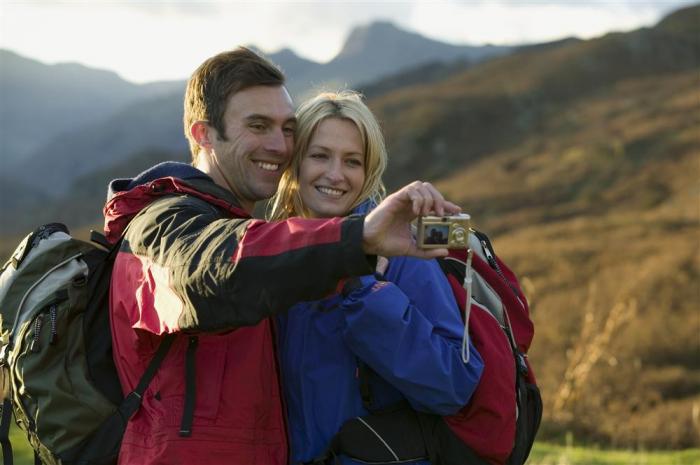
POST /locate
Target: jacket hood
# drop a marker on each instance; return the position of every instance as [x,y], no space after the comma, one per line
[161,170]
[127,197]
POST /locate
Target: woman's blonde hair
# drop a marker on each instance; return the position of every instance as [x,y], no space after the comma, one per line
[345,105]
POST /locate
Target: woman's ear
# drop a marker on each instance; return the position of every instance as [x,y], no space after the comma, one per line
[202,133]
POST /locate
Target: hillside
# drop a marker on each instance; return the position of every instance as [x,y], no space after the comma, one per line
[602,224]
[584,162]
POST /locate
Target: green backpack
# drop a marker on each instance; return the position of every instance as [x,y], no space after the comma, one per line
[56,369]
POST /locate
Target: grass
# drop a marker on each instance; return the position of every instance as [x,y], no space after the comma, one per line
[542,454]
[21,450]
[551,454]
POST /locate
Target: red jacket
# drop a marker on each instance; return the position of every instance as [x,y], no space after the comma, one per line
[194,264]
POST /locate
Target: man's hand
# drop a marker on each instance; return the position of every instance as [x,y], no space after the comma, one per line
[387,228]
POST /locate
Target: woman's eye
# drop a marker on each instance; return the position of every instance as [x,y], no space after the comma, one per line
[354,162]
[318,156]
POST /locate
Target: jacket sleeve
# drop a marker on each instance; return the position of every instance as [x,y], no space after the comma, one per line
[199,271]
[409,332]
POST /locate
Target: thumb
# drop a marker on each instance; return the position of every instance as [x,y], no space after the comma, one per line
[428,253]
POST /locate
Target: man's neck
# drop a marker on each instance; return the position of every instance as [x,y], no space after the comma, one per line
[204,165]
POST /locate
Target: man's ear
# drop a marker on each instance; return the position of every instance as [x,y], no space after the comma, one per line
[202,133]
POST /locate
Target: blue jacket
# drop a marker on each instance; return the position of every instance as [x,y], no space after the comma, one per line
[407,330]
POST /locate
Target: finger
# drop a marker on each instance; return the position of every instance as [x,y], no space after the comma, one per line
[416,199]
[382,264]
[451,208]
[427,199]
[438,199]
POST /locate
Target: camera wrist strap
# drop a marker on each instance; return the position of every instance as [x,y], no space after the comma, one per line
[467,305]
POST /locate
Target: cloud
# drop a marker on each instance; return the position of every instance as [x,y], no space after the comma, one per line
[165,39]
[511,22]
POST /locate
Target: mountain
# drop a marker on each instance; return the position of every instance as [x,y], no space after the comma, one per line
[381,48]
[582,163]
[374,51]
[91,119]
[432,126]
[294,66]
[40,101]
[148,124]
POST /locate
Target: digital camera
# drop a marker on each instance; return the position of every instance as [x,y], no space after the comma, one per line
[443,232]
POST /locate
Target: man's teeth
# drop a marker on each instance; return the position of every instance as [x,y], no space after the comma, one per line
[329,191]
[268,166]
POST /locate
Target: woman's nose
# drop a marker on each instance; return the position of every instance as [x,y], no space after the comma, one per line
[335,171]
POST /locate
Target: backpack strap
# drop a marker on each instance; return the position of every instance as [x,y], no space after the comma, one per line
[132,402]
[364,373]
[190,383]
[5,432]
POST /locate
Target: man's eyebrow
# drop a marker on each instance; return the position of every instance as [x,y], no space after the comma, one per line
[258,117]
[267,119]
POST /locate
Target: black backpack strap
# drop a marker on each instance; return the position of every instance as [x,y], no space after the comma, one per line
[132,401]
[328,456]
[364,373]
[190,382]
[5,420]
[100,239]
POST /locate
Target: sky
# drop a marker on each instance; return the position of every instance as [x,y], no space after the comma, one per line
[146,41]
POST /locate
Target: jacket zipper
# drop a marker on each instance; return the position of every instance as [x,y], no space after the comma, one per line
[278,371]
[519,356]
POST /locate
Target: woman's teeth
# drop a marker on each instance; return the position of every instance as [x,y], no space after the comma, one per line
[331,192]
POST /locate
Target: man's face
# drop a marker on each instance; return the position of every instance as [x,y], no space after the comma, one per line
[260,124]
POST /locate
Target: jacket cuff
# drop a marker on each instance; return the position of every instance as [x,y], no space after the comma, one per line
[356,262]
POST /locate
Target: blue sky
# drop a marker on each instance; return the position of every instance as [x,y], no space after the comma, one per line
[159,40]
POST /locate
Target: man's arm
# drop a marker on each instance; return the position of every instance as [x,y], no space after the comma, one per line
[199,271]
[210,273]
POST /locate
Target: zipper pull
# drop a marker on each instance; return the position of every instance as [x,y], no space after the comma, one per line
[34,346]
[52,316]
[489,255]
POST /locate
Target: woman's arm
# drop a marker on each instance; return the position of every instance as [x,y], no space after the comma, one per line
[409,331]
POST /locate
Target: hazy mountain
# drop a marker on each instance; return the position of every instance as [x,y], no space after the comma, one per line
[153,125]
[374,51]
[296,68]
[40,101]
[92,119]
[381,48]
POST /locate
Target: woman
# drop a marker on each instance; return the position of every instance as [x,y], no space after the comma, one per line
[407,330]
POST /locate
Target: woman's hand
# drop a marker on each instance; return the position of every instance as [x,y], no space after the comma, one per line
[387,228]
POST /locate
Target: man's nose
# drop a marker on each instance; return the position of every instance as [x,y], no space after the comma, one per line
[276,142]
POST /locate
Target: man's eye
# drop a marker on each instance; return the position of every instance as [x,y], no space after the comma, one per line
[257,126]
[289,131]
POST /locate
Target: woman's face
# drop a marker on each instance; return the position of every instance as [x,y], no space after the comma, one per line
[332,170]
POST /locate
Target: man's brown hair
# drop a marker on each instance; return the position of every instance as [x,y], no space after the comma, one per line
[219,77]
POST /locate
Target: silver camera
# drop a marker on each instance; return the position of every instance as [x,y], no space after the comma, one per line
[443,232]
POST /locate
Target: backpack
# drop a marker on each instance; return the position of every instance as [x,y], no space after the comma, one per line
[56,369]
[499,424]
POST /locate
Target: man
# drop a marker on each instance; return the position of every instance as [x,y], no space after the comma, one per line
[193,263]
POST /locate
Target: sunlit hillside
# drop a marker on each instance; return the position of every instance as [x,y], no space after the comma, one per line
[584,163]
